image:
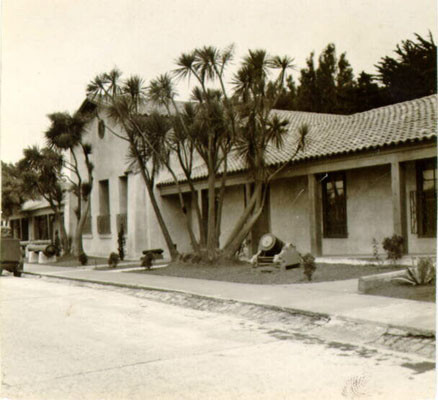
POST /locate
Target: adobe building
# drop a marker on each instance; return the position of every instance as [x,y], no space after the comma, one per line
[360,177]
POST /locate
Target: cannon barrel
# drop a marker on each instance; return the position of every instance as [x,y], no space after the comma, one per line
[270,244]
[48,250]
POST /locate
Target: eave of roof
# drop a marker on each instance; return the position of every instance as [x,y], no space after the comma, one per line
[412,121]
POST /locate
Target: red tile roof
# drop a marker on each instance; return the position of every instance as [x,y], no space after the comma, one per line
[329,135]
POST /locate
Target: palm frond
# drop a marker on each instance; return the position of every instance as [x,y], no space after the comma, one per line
[206,59]
[161,90]
[186,65]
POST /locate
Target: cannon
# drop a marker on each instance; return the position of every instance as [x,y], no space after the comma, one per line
[273,252]
[41,253]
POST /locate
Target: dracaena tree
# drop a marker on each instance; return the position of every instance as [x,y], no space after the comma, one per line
[220,124]
[146,135]
[42,175]
[66,134]
[216,125]
[255,95]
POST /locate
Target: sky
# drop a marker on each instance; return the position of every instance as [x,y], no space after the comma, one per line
[51,49]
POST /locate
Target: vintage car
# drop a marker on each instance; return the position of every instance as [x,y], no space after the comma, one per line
[11,258]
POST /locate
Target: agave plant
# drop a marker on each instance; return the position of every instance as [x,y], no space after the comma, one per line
[423,274]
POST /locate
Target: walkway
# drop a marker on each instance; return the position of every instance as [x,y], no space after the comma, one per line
[337,299]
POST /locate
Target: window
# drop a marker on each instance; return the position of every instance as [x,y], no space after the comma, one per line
[334,206]
[101,128]
[104,220]
[41,228]
[25,229]
[426,198]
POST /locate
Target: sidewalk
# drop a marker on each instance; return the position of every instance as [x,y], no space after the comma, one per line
[336,299]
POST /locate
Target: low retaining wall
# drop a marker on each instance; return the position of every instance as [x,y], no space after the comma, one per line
[366,283]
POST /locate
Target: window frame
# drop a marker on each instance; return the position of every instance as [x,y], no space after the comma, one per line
[421,166]
[328,232]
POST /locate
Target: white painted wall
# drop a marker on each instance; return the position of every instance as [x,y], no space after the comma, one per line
[290,212]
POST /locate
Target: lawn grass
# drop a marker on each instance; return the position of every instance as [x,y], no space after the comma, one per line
[245,273]
[404,291]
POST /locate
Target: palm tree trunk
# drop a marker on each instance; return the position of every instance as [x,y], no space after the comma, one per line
[198,215]
[235,244]
[211,230]
[64,239]
[193,240]
[78,247]
[244,217]
[168,239]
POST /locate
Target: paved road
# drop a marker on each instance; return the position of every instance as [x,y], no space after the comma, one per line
[62,341]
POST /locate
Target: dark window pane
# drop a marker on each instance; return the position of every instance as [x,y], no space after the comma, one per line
[426,198]
[334,206]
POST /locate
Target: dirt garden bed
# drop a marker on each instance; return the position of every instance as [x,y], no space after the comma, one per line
[244,273]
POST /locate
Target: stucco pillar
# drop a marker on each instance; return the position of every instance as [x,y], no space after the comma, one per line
[315,213]
[398,186]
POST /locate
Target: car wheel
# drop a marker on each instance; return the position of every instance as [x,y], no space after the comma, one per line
[17,273]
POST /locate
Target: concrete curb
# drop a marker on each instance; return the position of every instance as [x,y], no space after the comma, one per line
[407,331]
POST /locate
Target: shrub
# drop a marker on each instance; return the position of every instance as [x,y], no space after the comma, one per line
[309,265]
[146,260]
[121,242]
[393,247]
[83,259]
[423,274]
[113,259]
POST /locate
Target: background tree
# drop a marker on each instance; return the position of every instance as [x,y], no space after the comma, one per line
[66,133]
[288,97]
[345,87]
[326,76]
[307,92]
[330,88]
[367,93]
[412,72]
[13,194]
[41,172]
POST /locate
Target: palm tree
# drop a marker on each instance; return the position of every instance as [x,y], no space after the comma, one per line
[66,133]
[255,95]
[145,134]
[41,171]
[214,113]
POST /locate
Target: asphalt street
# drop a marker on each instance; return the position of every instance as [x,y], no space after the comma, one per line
[65,341]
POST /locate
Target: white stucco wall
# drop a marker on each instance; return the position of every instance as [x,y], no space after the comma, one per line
[369,212]
[110,163]
[233,207]
[290,212]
